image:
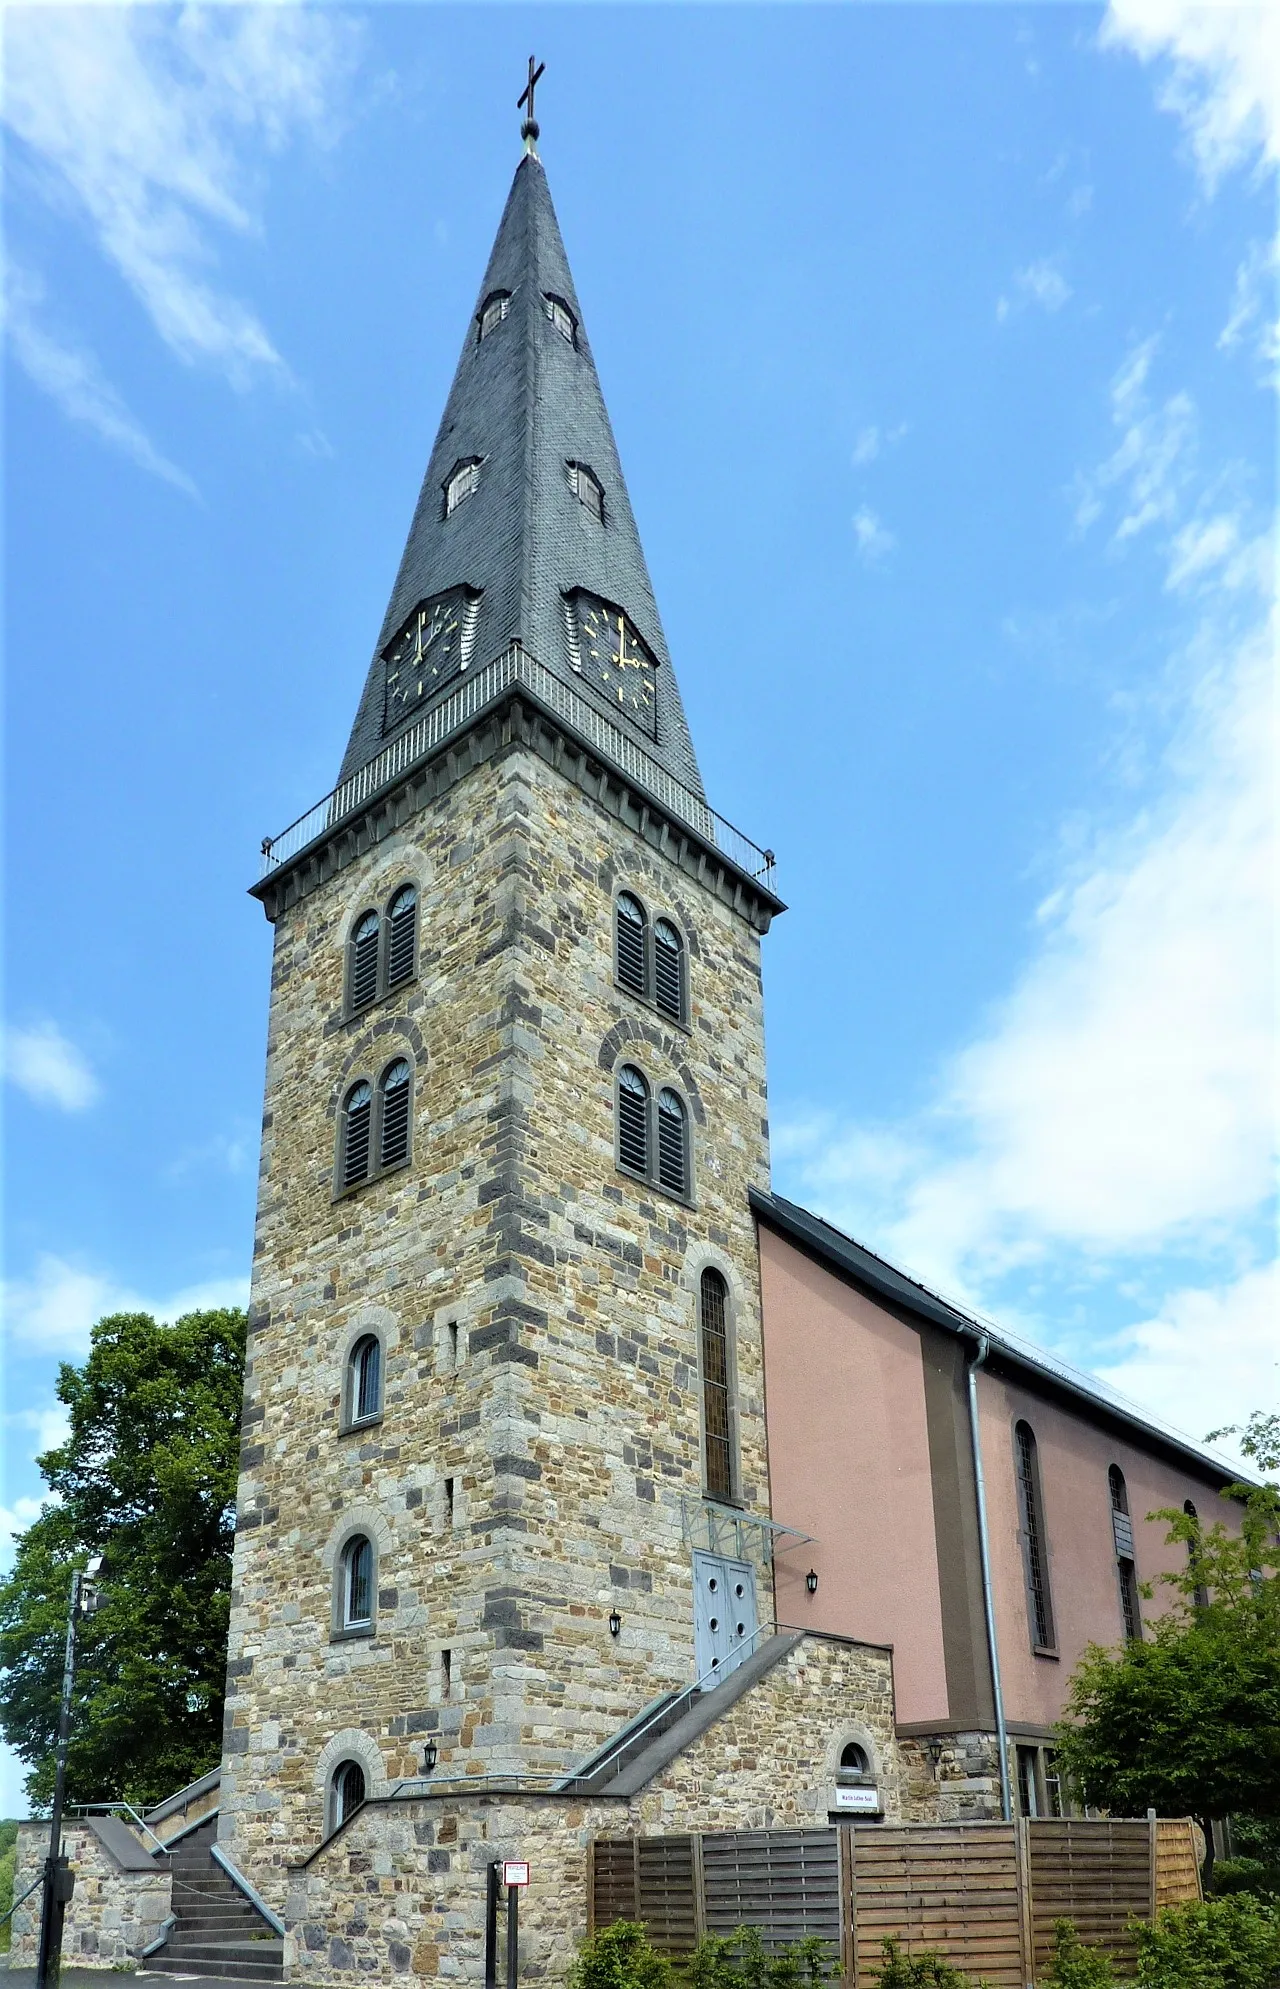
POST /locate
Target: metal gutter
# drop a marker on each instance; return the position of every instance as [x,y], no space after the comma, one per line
[984,1556]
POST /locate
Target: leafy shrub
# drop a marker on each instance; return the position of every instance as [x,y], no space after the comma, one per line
[8,1859]
[620,1957]
[1231,1943]
[742,1961]
[919,1971]
[1247,1875]
[1074,1965]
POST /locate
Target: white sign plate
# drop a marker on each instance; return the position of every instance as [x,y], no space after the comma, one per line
[863,1799]
[515,1874]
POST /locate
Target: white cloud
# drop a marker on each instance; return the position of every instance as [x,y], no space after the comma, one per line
[872,536]
[1152,463]
[1041,283]
[1222,75]
[14,1520]
[1208,1357]
[1252,317]
[51,1070]
[873,442]
[71,376]
[144,120]
[51,1425]
[56,1306]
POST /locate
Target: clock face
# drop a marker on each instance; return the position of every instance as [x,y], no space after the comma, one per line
[617,662]
[427,651]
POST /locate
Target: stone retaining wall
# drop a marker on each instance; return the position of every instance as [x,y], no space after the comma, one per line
[113,1914]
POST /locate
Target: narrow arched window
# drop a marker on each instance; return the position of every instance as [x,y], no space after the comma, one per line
[633,1120]
[587,488]
[1034,1545]
[363,973]
[397,1093]
[1126,1572]
[402,916]
[631,923]
[356,1117]
[347,1793]
[1199,1594]
[673,1143]
[561,317]
[668,970]
[713,1296]
[493,310]
[357,1584]
[365,1382]
[854,1767]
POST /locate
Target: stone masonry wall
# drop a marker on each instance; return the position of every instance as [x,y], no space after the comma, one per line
[400,1892]
[113,1914]
[963,1788]
[516,1497]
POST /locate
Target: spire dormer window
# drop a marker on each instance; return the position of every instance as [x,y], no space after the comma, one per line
[561,317]
[493,310]
[461,483]
[587,488]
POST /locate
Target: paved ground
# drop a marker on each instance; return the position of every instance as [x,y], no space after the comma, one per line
[100,1978]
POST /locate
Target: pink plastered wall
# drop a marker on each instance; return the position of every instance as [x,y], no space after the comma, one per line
[1075,1456]
[849,1464]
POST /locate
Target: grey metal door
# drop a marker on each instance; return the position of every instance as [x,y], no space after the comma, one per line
[724,1612]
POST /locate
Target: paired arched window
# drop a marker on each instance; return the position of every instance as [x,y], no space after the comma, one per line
[650,961]
[375,1126]
[355,1596]
[347,1793]
[493,310]
[717,1422]
[1126,1571]
[382,952]
[653,1135]
[364,1380]
[1035,1557]
[1199,1594]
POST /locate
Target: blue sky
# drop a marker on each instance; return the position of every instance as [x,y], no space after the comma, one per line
[940,344]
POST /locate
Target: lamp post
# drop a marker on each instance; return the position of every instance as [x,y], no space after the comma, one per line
[59,1880]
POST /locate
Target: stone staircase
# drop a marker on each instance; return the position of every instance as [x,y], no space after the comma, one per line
[217,1931]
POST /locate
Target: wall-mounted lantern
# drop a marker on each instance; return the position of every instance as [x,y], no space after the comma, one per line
[615,1623]
[811,1581]
[430,1755]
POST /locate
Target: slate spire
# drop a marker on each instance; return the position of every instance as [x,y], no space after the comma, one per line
[526,406]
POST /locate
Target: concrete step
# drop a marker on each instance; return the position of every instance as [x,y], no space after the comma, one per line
[235,1967]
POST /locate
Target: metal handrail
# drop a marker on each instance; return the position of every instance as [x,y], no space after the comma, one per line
[249,1890]
[112,1809]
[473,696]
[34,1886]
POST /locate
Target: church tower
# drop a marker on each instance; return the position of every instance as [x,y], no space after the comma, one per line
[504,1459]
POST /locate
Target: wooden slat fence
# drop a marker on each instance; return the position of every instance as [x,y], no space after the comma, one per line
[1095,1872]
[956,1889]
[983,1895]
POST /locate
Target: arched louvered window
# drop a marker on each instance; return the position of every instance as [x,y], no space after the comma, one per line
[493,310]
[631,932]
[673,1143]
[1126,1572]
[357,1115]
[397,1093]
[1200,1594]
[461,483]
[357,1583]
[363,973]
[633,1120]
[668,970]
[402,917]
[713,1296]
[587,488]
[347,1793]
[561,317]
[365,1379]
[1034,1545]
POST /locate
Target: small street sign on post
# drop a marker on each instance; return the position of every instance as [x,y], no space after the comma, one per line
[515,1872]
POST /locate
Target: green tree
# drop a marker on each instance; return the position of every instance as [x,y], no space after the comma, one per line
[1187,1720]
[1259,1439]
[147,1479]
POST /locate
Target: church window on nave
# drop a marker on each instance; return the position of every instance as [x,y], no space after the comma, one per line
[393,1134]
[364,1379]
[673,1143]
[357,1584]
[357,1127]
[1035,1554]
[1200,1594]
[493,311]
[561,317]
[713,1303]
[346,1793]
[460,484]
[587,488]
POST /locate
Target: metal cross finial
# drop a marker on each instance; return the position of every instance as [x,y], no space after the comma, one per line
[529,129]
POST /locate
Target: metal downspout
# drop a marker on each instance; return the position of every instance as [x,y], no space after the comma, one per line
[988,1598]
